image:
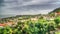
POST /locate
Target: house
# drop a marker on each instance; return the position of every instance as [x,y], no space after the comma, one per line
[10,23]
[48,17]
[34,19]
[2,25]
[57,13]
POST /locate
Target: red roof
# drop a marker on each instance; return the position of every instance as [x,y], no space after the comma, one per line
[58,12]
[2,24]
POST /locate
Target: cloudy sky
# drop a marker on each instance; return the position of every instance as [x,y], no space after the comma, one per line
[22,7]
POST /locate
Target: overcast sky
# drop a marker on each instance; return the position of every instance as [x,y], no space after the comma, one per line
[22,7]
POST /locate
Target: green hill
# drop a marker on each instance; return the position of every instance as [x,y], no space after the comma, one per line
[55,10]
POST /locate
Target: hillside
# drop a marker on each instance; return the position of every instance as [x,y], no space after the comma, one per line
[55,10]
[31,24]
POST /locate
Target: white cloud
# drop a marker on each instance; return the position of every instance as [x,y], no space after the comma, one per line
[19,3]
[57,3]
[15,12]
[33,2]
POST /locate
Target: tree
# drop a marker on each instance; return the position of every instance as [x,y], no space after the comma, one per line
[57,20]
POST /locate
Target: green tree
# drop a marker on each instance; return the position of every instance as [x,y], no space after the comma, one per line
[57,20]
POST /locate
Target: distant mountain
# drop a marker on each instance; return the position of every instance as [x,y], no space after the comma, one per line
[5,16]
